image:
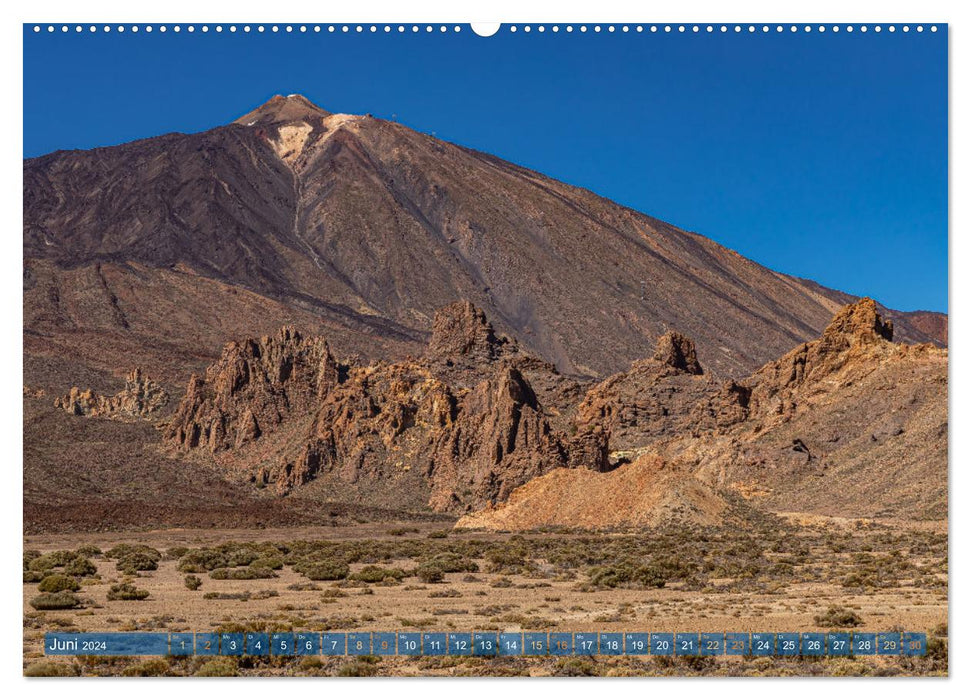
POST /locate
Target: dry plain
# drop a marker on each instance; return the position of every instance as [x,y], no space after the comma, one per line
[786,574]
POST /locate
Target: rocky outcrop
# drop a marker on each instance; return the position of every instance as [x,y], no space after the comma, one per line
[857,335]
[141,398]
[255,386]
[462,332]
[654,399]
[677,351]
[500,440]
[850,424]
[465,418]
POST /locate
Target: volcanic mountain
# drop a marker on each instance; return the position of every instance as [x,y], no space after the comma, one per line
[155,252]
[308,317]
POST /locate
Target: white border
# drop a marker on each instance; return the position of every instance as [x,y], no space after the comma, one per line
[437,11]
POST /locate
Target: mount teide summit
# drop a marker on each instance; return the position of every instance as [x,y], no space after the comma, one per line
[153,253]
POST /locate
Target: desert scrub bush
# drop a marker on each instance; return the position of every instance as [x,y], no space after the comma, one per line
[176,552]
[509,561]
[29,556]
[627,575]
[80,566]
[430,572]
[575,667]
[401,531]
[34,576]
[453,563]
[275,563]
[220,667]
[323,570]
[148,668]
[838,617]
[359,668]
[859,579]
[64,600]
[124,550]
[134,562]
[246,573]
[377,574]
[88,550]
[49,669]
[438,535]
[126,591]
[55,583]
[193,582]
[54,560]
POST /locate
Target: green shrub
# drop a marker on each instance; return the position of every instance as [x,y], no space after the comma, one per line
[126,591]
[29,556]
[275,563]
[627,575]
[55,583]
[377,574]
[51,561]
[134,562]
[838,617]
[246,573]
[430,572]
[453,563]
[80,566]
[221,667]
[88,550]
[123,550]
[34,576]
[323,570]
[65,600]
[193,582]
[48,669]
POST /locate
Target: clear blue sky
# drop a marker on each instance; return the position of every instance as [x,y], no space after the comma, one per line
[819,155]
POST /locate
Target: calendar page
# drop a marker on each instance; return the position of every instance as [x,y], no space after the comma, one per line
[523,349]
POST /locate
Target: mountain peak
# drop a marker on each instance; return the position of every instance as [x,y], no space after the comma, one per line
[280,108]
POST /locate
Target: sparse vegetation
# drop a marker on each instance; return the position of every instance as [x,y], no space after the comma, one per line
[126,591]
[64,600]
[838,617]
[55,583]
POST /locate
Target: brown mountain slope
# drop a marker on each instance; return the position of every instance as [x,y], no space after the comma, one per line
[359,229]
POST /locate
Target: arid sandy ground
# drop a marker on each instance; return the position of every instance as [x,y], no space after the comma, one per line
[884,576]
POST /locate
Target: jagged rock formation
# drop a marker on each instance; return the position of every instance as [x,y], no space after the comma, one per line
[850,424]
[255,385]
[654,399]
[141,398]
[465,419]
[462,332]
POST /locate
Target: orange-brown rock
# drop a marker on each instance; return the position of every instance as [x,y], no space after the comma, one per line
[645,493]
[141,398]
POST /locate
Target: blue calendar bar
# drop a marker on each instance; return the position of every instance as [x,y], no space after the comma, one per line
[283,644]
